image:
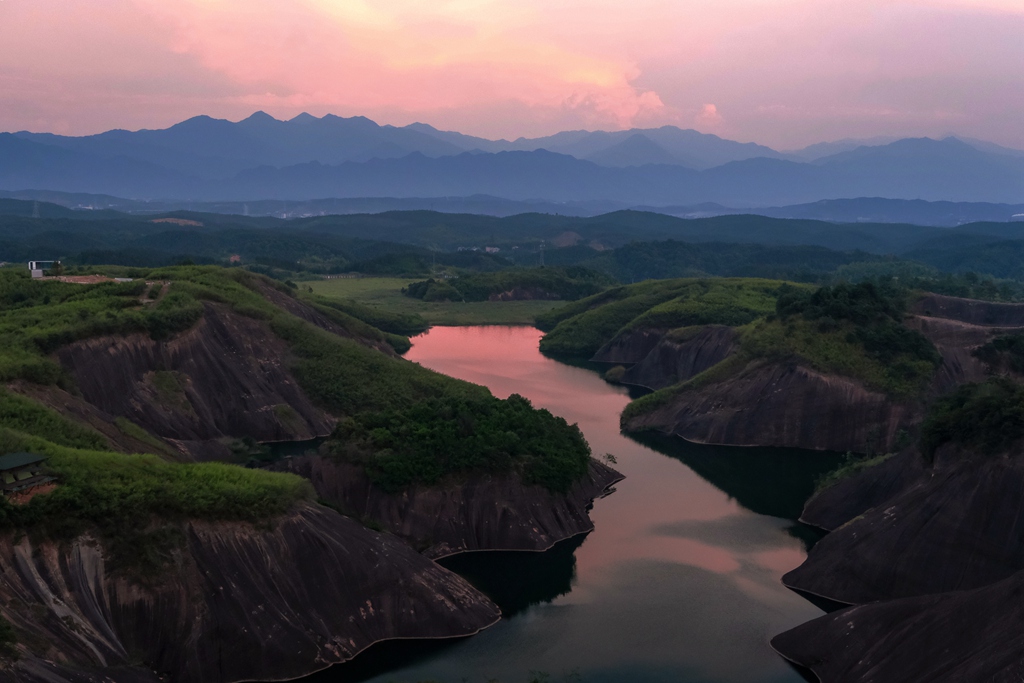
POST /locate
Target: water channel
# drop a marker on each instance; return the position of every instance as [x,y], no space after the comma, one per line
[679,581]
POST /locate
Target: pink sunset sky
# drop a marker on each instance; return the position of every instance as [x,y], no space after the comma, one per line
[781,72]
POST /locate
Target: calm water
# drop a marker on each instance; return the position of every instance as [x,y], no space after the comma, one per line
[678,582]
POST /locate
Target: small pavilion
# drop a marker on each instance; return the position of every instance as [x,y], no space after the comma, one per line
[20,471]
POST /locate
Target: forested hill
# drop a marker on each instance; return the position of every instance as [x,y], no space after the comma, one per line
[412,242]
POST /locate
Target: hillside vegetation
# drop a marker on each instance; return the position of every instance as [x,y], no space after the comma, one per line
[428,440]
[134,501]
[568,284]
[854,331]
[988,416]
[583,327]
[627,245]
[384,294]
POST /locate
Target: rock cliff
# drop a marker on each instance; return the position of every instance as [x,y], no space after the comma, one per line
[932,554]
[773,404]
[851,496]
[789,404]
[478,512]
[984,313]
[957,527]
[677,359]
[955,637]
[240,603]
[226,377]
[629,347]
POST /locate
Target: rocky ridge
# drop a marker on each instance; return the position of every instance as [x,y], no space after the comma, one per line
[787,403]
[307,591]
[226,377]
[929,553]
[239,603]
[473,513]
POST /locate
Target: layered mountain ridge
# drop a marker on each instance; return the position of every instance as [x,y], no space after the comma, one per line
[307,157]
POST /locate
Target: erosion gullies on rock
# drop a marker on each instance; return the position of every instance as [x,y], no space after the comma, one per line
[785,405]
[226,377]
[970,310]
[852,496]
[930,549]
[789,403]
[975,635]
[960,526]
[679,357]
[957,340]
[469,513]
[227,355]
[629,347]
[238,603]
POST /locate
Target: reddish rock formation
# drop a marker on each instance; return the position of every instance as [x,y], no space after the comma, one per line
[478,512]
[966,636]
[786,405]
[934,555]
[241,603]
[959,526]
[672,361]
[851,496]
[226,377]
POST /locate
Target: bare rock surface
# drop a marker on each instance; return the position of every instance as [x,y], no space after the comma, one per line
[123,439]
[959,527]
[671,362]
[311,315]
[479,512]
[630,347]
[226,377]
[970,310]
[240,603]
[854,495]
[960,637]
[782,404]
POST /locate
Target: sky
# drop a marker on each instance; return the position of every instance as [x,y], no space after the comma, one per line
[785,73]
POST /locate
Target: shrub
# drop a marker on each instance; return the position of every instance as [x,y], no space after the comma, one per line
[989,416]
[1009,347]
[556,283]
[852,465]
[426,441]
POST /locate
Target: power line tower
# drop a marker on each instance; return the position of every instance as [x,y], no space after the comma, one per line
[541,254]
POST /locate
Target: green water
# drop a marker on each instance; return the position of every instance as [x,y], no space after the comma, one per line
[679,581]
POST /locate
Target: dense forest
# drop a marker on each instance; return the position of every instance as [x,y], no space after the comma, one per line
[627,245]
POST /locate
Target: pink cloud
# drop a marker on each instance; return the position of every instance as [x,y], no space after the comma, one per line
[708,116]
[787,71]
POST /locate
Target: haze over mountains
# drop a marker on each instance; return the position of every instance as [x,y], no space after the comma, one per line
[306,158]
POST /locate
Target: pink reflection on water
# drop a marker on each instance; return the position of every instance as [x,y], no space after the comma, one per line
[658,490]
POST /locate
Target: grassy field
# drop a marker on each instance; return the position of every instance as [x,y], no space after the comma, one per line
[386,293]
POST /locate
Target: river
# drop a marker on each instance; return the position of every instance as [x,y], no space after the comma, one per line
[679,581]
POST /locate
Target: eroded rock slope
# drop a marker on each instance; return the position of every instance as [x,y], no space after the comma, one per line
[239,603]
[476,512]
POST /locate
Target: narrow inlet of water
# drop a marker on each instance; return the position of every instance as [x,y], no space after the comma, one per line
[679,581]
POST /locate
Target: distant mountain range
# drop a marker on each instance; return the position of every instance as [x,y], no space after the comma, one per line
[51,204]
[261,158]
